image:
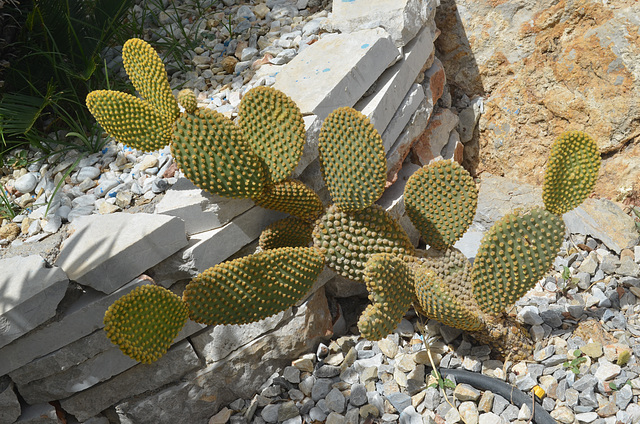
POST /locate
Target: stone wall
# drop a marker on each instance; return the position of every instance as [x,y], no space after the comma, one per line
[54,356]
[545,67]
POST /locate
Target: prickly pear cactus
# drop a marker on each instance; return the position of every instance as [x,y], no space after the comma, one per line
[287,232]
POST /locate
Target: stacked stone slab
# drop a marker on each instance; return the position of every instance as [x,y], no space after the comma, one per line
[379,59]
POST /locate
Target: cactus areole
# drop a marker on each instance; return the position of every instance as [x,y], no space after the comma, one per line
[254,158]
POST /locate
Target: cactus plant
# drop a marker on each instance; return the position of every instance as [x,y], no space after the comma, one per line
[254,158]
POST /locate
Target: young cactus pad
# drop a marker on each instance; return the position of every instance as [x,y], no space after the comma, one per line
[348,239]
[213,154]
[514,254]
[145,123]
[390,284]
[253,287]
[572,171]
[352,158]
[441,200]
[144,322]
[287,232]
[272,124]
[292,197]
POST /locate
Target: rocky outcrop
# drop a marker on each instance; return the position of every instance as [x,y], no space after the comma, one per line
[543,68]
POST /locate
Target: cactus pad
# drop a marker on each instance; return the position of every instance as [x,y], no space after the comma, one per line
[253,287]
[272,124]
[453,270]
[352,158]
[287,232]
[146,71]
[130,120]
[441,200]
[390,284]
[212,153]
[144,322]
[514,254]
[187,100]
[348,239]
[436,301]
[571,173]
[292,197]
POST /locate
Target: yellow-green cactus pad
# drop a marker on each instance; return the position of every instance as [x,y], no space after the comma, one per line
[272,124]
[292,197]
[212,153]
[571,173]
[436,301]
[187,100]
[253,287]
[348,239]
[144,322]
[352,158]
[514,254]
[146,71]
[441,200]
[287,232]
[390,284]
[130,120]
[453,270]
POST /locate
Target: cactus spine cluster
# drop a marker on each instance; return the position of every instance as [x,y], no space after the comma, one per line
[254,158]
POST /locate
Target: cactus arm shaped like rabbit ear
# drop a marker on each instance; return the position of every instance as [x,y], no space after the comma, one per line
[130,120]
[213,154]
[514,254]
[273,126]
[287,232]
[348,239]
[292,197]
[253,287]
[571,173]
[352,159]
[146,71]
[390,284]
[144,322]
[441,200]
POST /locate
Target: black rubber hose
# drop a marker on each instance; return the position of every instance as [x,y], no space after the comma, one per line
[507,391]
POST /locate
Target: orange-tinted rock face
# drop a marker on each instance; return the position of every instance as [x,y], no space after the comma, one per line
[546,67]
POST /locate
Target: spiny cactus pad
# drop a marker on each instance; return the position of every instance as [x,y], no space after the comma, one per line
[441,200]
[352,158]
[292,197]
[453,269]
[436,301]
[571,173]
[272,124]
[287,232]
[390,284]
[348,239]
[514,254]
[253,287]
[130,120]
[187,100]
[144,322]
[212,153]
[146,71]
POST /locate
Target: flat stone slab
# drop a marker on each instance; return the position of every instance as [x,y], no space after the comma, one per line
[83,317]
[402,116]
[395,82]
[107,251]
[30,294]
[401,18]
[9,404]
[178,361]
[200,210]
[336,70]
[603,220]
[209,248]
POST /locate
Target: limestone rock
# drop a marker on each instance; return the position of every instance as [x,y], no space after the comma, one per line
[436,136]
[9,404]
[322,78]
[545,68]
[107,251]
[30,295]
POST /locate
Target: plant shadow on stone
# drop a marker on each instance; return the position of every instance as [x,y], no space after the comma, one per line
[254,158]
